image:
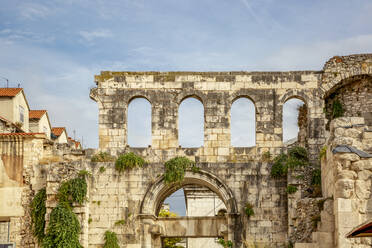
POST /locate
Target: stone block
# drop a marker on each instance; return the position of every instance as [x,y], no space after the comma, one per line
[342,205]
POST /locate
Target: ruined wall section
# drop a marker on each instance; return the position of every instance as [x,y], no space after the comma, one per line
[355,95]
[217,91]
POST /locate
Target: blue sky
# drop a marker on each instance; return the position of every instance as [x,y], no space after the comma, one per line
[53,48]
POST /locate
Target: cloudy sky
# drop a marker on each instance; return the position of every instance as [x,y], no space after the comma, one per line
[53,48]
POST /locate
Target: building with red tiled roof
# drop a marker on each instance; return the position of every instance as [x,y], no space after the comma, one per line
[14,107]
[60,134]
[39,122]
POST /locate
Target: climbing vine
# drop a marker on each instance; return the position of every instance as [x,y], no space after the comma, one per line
[111,240]
[175,169]
[128,161]
[291,189]
[38,211]
[64,227]
[73,190]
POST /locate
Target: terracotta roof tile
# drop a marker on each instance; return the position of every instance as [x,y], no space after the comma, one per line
[36,114]
[19,134]
[10,92]
[57,131]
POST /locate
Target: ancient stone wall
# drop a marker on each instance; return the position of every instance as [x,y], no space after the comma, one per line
[355,95]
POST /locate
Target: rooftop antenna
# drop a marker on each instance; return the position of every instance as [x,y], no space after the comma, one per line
[7,81]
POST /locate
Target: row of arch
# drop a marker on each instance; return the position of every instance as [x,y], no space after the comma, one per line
[191,122]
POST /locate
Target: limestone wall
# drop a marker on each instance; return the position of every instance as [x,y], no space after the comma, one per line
[217,91]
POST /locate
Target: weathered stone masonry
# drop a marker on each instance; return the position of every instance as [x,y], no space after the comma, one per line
[236,174]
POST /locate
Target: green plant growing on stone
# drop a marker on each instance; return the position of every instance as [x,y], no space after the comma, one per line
[248,209]
[73,190]
[323,152]
[128,161]
[102,157]
[38,211]
[297,157]
[90,220]
[224,243]
[102,169]
[316,178]
[291,189]
[337,109]
[120,223]
[279,168]
[266,156]
[175,169]
[63,229]
[84,173]
[111,240]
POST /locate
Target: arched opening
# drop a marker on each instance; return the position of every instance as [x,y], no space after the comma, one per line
[194,184]
[294,122]
[191,123]
[351,98]
[243,123]
[192,201]
[139,122]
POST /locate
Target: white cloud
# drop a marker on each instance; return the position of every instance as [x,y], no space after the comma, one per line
[32,11]
[95,34]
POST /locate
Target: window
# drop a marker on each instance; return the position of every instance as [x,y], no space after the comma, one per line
[139,123]
[191,123]
[243,123]
[21,114]
[291,120]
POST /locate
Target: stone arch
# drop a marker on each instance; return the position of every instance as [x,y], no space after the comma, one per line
[138,96]
[159,190]
[190,93]
[340,68]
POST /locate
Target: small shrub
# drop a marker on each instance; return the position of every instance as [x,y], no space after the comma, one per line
[102,169]
[266,156]
[175,169]
[120,222]
[111,240]
[225,244]
[63,229]
[323,153]
[128,161]
[73,190]
[297,157]
[337,109]
[316,178]
[90,220]
[279,168]
[291,189]
[102,157]
[38,211]
[248,209]
[84,173]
